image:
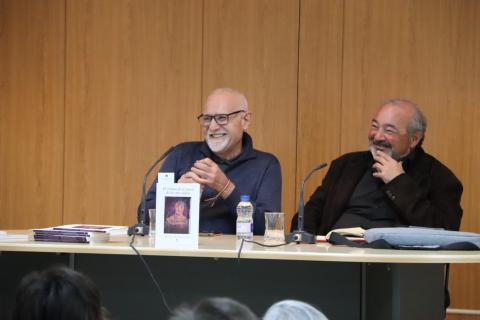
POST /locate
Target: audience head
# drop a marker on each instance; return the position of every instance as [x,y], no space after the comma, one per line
[224,118]
[398,127]
[215,309]
[58,293]
[293,310]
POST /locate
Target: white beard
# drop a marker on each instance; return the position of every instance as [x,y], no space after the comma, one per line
[218,145]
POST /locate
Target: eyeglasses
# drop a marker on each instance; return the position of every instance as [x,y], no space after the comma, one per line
[220,119]
[386,129]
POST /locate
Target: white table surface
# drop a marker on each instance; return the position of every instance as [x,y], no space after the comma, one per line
[226,246]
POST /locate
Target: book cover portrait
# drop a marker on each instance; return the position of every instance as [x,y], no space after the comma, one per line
[177,215]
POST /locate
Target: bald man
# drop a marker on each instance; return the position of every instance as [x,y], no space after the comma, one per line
[394,184]
[226,166]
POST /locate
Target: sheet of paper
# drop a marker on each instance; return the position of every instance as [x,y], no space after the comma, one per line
[166,177]
[12,237]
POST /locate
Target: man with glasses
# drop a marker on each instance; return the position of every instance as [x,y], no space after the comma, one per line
[226,166]
[395,183]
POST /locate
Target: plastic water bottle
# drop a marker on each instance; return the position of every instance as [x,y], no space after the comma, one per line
[245,218]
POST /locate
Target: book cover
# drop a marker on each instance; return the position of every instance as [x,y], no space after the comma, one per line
[69,235]
[60,232]
[93,228]
[61,238]
[177,215]
[353,234]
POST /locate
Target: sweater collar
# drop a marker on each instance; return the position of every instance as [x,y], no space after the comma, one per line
[247,152]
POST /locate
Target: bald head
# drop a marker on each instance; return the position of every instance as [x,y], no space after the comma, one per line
[234,95]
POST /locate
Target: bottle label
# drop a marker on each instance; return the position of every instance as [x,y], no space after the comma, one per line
[244,227]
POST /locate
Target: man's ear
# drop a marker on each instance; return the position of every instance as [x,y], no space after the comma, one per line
[246,120]
[415,139]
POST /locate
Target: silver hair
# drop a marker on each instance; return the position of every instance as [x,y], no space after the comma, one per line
[241,96]
[293,310]
[214,308]
[418,121]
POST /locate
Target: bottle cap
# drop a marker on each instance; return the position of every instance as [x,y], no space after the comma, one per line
[244,197]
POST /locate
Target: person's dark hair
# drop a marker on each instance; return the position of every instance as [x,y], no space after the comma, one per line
[215,308]
[58,293]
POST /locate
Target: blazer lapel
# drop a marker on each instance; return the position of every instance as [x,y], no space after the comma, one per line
[344,187]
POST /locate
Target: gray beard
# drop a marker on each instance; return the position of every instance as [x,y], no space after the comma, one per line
[390,152]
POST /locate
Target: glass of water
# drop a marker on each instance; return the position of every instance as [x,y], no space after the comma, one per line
[274,227]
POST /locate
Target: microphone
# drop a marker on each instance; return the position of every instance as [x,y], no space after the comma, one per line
[141,228]
[300,235]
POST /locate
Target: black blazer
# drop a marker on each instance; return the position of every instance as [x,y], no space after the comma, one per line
[427,195]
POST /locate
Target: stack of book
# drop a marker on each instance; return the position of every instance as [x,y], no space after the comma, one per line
[78,233]
[12,237]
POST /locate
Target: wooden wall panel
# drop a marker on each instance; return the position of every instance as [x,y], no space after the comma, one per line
[377,64]
[426,51]
[32,35]
[253,46]
[92,92]
[133,90]
[458,132]
[319,96]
